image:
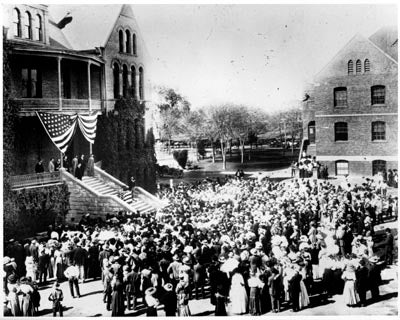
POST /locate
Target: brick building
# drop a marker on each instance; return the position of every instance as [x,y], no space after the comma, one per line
[79,63]
[350,115]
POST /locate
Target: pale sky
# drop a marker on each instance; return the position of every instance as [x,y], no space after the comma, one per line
[260,55]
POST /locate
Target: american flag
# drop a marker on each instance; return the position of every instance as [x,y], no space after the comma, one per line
[59,127]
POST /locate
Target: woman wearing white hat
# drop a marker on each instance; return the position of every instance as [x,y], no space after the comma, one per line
[350,294]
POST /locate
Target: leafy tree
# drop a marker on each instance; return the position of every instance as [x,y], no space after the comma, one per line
[172,109]
[181,156]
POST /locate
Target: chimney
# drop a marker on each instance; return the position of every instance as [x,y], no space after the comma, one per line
[64,21]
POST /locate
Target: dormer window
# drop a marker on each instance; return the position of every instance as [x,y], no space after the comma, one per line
[38,28]
[121,41]
[358,66]
[128,41]
[17,23]
[350,67]
[134,51]
[366,65]
[28,25]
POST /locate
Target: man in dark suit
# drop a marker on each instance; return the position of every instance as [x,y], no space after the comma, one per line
[362,282]
[79,257]
[44,261]
[79,171]
[388,246]
[294,291]
[374,277]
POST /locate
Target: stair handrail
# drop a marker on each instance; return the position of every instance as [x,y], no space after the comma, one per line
[103,173]
[301,149]
[70,177]
[157,202]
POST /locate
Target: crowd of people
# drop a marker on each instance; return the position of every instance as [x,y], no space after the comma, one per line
[251,246]
[78,166]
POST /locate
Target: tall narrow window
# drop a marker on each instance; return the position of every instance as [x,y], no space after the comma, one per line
[128,41]
[378,130]
[116,80]
[17,23]
[121,41]
[38,28]
[342,168]
[31,83]
[366,65]
[141,84]
[28,25]
[340,97]
[341,133]
[358,66]
[133,81]
[124,81]
[377,95]
[350,67]
[134,47]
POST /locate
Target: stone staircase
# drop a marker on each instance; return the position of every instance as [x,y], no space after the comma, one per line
[104,188]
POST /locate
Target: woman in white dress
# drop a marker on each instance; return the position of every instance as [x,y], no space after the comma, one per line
[350,294]
[237,295]
[304,298]
[31,268]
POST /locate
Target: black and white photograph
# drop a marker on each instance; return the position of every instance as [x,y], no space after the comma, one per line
[199,159]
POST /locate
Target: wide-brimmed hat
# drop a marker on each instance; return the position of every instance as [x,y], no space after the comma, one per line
[6,260]
[222,258]
[258,245]
[186,260]
[303,238]
[150,291]
[374,259]
[168,287]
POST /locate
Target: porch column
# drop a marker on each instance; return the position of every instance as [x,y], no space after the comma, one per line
[120,90]
[137,86]
[59,84]
[89,87]
[89,97]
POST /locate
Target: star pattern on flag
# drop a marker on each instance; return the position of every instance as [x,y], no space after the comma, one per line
[56,124]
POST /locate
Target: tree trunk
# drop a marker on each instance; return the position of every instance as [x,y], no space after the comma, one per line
[241,151]
[223,153]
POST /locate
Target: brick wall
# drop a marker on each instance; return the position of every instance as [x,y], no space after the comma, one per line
[82,202]
[359,112]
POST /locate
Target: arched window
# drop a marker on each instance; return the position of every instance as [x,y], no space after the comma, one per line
[17,23]
[340,97]
[342,167]
[341,132]
[350,67]
[378,130]
[28,25]
[311,132]
[128,41]
[366,65]
[121,41]
[116,80]
[358,66]
[124,81]
[38,28]
[378,166]
[141,83]
[377,95]
[133,81]
[134,48]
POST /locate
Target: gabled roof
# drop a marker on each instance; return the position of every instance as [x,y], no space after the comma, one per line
[355,38]
[386,39]
[91,25]
[57,37]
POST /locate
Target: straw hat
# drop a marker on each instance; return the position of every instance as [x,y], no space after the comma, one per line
[168,287]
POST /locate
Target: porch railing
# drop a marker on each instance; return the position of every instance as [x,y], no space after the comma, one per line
[35,180]
[30,105]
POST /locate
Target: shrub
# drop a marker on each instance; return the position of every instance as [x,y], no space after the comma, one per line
[181,157]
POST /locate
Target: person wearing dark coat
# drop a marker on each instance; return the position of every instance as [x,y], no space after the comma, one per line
[217,278]
[294,291]
[117,300]
[362,282]
[220,299]
[74,165]
[93,261]
[199,278]
[56,297]
[374,277]
[44,261]
[79,257]
[388,246]
[39,168]
[169,300]
[79,171]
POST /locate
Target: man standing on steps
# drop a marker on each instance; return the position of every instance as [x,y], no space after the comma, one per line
[74,164]
[132,185]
